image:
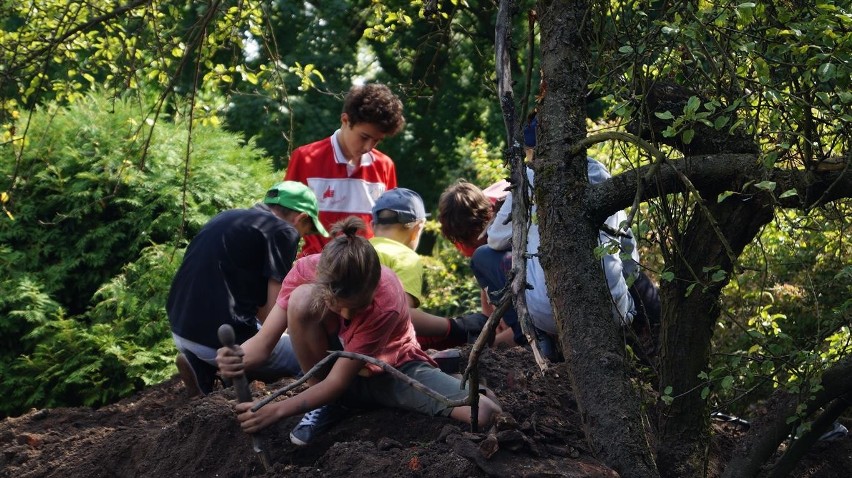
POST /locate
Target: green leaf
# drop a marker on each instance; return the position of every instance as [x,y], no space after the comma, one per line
[627,49]
[723,196]
[667,276]
[666,115]
[769,159]
[727,382]
[688,135]
[826,71]
[788,193]
[692,105]
[766,185]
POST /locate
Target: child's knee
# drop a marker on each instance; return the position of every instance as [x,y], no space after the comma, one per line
[300,308]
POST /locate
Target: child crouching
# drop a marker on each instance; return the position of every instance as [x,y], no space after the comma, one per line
[345,295]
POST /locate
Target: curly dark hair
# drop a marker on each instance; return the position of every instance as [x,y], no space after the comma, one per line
[376,104]
[464,212]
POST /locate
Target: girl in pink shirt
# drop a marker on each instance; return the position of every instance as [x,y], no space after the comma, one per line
[344,295]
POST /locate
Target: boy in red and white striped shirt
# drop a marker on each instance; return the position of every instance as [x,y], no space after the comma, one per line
[345,171]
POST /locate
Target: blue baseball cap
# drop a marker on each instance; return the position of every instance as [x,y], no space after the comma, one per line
[407,204]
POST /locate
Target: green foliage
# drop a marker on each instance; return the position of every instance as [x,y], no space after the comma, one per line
[481,164]
[450,286]
[788,317]
[767,67]
[89,248]
[87,196]
[124,345]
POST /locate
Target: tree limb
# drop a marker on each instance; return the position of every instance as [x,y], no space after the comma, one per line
[712,175]
[520,193]
[333,354]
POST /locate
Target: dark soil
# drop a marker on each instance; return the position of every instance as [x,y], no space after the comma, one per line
[161,433]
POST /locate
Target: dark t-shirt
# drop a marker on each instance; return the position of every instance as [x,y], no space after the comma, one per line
[225,273]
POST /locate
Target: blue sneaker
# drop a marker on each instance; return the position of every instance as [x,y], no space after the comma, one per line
[317,422]
[837,432]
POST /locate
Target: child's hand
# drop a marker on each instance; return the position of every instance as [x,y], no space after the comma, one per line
[253,422]
[230,361]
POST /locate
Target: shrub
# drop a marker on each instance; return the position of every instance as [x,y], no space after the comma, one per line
[97,219]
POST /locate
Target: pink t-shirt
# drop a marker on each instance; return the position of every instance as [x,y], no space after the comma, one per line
[383,330]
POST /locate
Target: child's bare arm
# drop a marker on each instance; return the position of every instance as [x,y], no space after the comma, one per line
[323,393]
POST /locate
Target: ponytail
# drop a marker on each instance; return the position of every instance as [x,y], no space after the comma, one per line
[349,267]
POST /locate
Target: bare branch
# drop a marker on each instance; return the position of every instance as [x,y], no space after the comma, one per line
[333,354]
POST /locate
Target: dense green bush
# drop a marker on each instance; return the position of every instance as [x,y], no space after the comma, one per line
[97,221]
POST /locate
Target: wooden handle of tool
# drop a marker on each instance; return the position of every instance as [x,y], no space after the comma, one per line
[228,338]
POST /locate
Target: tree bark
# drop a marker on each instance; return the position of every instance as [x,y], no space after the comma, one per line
[713,174]
[689,317]
[608,403]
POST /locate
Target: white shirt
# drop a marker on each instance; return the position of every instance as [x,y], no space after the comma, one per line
[538,301]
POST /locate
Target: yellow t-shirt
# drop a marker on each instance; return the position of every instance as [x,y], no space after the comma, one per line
[404,262]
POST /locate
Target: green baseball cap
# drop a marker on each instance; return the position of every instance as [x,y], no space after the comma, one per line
[298,197]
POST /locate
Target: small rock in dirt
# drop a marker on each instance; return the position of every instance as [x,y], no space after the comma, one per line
[512,440]
[447,431]
[504,421]
[38,415]
[386,443]
[563,451]
[489,446]
[30,439]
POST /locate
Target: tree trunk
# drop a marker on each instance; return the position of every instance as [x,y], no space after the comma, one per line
[688,322]
[608,403]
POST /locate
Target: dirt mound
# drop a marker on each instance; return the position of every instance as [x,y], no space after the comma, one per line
[161,433]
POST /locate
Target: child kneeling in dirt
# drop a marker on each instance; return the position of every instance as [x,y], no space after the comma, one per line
[344,293]
[399,217]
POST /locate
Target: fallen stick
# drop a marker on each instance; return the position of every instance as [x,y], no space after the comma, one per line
[351,355]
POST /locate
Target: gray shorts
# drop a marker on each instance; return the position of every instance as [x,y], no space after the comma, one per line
[385,390]
[281,363]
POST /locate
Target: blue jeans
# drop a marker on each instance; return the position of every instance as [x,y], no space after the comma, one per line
[491,268]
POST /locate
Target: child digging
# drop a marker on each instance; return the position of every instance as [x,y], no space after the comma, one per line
[345,294]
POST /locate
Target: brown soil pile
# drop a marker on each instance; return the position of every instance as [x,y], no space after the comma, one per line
[161,433]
